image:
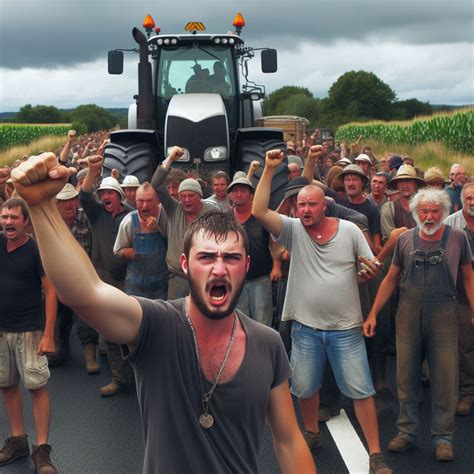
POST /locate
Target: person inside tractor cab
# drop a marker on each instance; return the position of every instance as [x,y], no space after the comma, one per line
[218,81]
[199,81]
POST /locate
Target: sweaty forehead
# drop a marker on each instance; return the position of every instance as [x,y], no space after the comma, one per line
[311,192]
[204,242]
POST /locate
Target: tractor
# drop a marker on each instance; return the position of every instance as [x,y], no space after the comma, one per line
[194,92]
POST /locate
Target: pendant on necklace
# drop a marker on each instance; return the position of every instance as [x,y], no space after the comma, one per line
[319,236]
[206,420]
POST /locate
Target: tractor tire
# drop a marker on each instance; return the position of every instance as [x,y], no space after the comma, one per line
[255,149]
[134,159]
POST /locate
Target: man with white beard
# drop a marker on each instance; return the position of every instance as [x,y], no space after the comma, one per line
[428,259]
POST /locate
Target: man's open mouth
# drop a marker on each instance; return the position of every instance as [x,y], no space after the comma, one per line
[218,291]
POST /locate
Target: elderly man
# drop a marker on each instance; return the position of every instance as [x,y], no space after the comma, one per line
[324,257]
[295,166]
[180,214]
[142,243]
[464,220]
[176,348]
[459,179]
[105,216]
[428,259]
[23,344]
[219,182]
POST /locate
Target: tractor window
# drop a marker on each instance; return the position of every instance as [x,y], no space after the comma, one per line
[197,69]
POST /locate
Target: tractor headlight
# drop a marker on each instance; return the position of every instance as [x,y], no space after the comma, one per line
[215,153]
[185,157]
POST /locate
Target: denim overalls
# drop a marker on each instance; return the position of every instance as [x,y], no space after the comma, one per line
[147,273]
[427,323]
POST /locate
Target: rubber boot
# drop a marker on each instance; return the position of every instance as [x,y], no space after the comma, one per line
[92,367]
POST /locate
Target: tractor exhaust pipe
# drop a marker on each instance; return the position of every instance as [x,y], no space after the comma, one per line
[145,104]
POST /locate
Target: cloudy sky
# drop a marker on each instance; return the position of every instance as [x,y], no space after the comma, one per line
[54,52]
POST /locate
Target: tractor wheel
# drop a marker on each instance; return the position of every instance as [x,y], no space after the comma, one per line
[256,149]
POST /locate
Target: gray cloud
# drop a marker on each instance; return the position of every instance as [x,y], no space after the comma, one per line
[57,33]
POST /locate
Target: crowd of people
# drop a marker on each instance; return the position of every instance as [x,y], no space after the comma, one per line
[172,276]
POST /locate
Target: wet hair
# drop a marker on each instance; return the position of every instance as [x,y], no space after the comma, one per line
[12,203]
[215,224]
[433,196]
[220,174]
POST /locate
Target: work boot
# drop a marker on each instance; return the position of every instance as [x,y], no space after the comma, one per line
[377,464]
[399,444]
[14,448]
[325,413]
[444,452]
[112,389]
[92,366]
[313,440]
[463,407]
[41,457]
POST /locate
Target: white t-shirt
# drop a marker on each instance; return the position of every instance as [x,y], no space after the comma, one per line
[322,289]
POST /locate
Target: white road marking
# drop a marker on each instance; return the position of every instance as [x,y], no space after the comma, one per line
[349,444]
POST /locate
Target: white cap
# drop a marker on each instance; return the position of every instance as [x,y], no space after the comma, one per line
[130,181]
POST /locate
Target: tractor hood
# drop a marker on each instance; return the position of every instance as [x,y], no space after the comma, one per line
[198,123]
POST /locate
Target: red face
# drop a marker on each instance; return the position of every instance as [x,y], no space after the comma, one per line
[219,188]
[353,185]
[68,208]
[378,185]
[310,206]
[241,195]
[216,273]
[111,199]
[14,224]
[190,201]
[430,217]
[147,203]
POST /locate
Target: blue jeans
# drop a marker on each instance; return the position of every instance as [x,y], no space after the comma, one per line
[427,326]
[256,300]
[347,355]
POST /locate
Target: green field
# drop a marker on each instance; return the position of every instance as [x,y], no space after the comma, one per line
[12,134]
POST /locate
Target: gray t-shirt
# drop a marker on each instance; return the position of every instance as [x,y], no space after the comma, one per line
[169,394]
[322,287]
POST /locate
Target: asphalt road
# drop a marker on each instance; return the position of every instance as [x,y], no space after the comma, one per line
[90,434]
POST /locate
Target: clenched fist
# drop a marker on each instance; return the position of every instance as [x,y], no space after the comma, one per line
[40,178]
[274,158]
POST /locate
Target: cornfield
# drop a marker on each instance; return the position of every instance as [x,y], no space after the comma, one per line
[22,134]
[455,130]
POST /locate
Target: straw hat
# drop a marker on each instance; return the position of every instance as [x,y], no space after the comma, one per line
[406,172]
[434,175]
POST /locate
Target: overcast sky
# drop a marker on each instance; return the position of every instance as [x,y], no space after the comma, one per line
[54,52]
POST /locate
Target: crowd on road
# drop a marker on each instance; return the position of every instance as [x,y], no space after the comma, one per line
[186,280]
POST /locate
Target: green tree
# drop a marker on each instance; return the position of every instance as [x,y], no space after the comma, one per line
[362,94]
[273,103]
[411,108]
[93,117]
[39,114]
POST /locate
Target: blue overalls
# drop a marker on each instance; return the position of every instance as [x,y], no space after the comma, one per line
[147,273]
[427,323]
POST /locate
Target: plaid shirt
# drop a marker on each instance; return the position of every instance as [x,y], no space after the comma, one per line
[81,230]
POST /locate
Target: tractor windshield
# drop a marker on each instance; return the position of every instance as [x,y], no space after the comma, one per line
[197,69]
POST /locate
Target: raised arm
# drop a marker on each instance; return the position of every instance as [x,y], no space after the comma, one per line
[271,220]
[64,155]
[50,311]
[107,309]
[313,153]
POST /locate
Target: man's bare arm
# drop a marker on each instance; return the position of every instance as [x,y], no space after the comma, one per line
[291,450]
[107,309]
[308,171]
[271,220]
[50,311]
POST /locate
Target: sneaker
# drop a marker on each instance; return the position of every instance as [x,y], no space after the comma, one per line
[325,413]
[463,407]
[444,452]
[399,444]
[14,448]
[111,389]
[377,464]
[41,456]
[313,440]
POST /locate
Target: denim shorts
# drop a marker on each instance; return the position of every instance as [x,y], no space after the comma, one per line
[347,355]
[19,359]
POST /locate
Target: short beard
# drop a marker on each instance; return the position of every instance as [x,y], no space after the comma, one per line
[429,232]
[216,315]
[470,211]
